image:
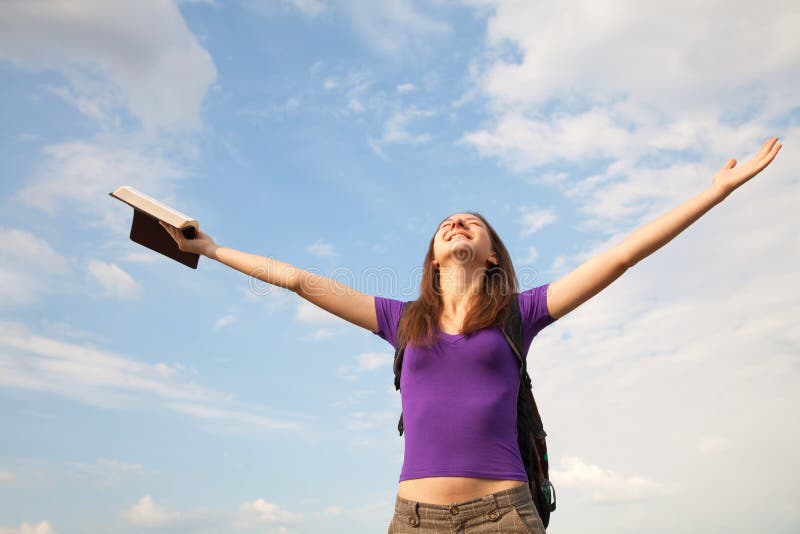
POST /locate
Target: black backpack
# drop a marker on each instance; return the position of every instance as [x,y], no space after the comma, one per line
[530,432]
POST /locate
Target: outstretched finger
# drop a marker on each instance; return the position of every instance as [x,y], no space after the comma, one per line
[766,147]
[773,152]
[767,158]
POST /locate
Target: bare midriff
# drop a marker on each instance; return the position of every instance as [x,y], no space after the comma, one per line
[450,490]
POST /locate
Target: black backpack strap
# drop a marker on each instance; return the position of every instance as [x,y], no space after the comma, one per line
[531,434]
[512,330]
[400,347]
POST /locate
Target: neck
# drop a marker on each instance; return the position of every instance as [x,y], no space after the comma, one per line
[458,284]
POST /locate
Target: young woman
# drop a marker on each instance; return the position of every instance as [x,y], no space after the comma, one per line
[462,468]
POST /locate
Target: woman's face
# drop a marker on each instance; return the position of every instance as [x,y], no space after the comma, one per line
[462,239]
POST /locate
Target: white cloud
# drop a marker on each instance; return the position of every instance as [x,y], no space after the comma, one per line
[405,88]
[106,473]
[292,103]
[95,107]
[29,267]
[102,378]
[83,173]
[333,510]
[206,412]
[112,279]
[308,312]
[605,485]
[365,362]
[535,220]
[564,88]
[320,334]
[369,361]
[575,52]
[321,249]
[396,129]
[6,477]
[259,513]
[523,143]
[140,257]
[355,106]
[224,321]
[531,257]
[31,250]
[352,91]
[115,465]
[363,420]
[146,513]
[40,528]
[712,444]
[394,26]
[151,63]
[309,7]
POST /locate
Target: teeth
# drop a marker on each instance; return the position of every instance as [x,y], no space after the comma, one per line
[459,236]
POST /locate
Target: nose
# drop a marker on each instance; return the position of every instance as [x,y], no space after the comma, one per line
[457,223]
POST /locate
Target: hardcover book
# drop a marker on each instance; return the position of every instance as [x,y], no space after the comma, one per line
[146,231]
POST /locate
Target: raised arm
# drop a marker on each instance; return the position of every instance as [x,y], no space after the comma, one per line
[587,280]
[337,298]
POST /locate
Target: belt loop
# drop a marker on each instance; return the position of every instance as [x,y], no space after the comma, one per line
[492,510]
[412,517]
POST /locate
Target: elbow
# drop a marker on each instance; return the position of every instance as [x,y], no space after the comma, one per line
[625,260]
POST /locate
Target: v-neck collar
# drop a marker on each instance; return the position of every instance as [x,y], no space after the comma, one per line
[451,338]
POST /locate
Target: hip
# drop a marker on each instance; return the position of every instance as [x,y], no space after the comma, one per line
[508,511]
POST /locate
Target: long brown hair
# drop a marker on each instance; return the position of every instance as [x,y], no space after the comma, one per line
[420,321]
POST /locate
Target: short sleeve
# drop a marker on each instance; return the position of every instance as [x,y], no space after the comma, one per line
[534,312]
[388,312]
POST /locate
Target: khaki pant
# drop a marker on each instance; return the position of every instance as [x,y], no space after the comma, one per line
[509,511]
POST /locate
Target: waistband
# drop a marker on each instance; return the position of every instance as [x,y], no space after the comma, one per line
[478,506]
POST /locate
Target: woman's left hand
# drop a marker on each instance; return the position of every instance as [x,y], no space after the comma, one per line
[729,177]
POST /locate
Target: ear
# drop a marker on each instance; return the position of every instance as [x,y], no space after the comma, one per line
[493,259]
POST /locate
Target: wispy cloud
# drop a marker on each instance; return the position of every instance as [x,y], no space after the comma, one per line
[224,321]
[310,313]
[146,513]
[26,528]
[565,100]
[112,279]
[28,267]
[321,249]
[102,378]
[81,172]
[535,219]
[364,362]
[606,485]
[121,42]
[395,26]
[261,513]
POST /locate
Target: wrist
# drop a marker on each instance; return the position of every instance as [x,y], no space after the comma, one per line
[210,251]
[719,192]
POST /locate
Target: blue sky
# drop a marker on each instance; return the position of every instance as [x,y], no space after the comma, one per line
[138,395]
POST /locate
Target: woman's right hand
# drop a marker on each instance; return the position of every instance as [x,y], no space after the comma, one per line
[201,244]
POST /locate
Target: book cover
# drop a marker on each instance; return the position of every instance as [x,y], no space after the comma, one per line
[146,230]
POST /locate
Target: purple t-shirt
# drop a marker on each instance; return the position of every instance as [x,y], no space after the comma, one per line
[459,396]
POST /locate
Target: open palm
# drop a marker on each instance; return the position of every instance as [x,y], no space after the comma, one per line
[729,177]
